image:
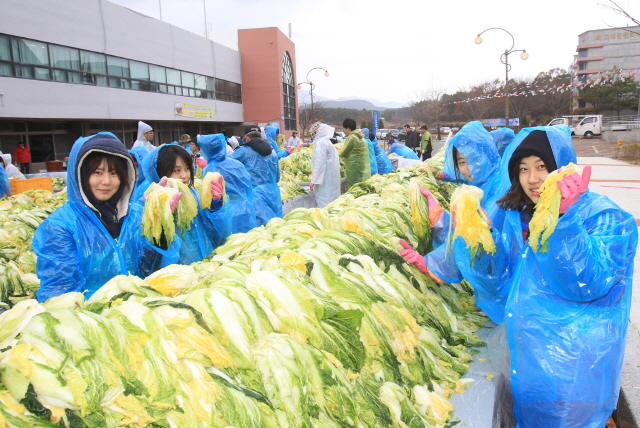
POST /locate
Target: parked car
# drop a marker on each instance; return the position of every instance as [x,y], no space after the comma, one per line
[382,134]
[563,121]
[402,135]
[445,130]
[341,134]
[589,126]
[455,129]
[393,132]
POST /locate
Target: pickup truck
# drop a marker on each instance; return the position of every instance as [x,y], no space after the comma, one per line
[563,121]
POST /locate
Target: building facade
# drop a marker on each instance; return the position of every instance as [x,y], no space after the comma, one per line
[70,70]
[599,51]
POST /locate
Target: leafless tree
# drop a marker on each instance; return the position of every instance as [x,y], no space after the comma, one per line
[620,11]
[306,116]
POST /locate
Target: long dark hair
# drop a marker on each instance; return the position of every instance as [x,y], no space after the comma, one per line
[456,170]
[516,199]
[167,161]
[114,162]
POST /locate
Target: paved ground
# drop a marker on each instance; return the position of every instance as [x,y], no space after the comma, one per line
[620,181]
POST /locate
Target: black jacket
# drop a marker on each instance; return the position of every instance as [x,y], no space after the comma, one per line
[412,140]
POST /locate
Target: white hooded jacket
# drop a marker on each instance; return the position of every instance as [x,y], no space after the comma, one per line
[325,167]
[142,141]
[12,171]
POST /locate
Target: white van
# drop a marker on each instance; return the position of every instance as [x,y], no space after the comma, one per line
[589,126]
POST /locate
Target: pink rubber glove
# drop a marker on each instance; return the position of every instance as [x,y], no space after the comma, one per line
[572,186]
[440,176]
[413,258]
[163,181]
[425,167]
[201,163]
[311,186]
[173,203]
[291,149]
[216,189]
[435,210]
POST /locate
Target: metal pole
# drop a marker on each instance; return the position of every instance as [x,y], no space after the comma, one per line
[312,115]
[206,30]
[160,6]
[506,95]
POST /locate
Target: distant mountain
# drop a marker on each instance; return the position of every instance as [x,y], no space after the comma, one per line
[348,102]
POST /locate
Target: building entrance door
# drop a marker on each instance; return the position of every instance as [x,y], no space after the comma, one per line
[42,150]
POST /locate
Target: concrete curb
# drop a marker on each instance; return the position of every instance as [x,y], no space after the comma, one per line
[627,414]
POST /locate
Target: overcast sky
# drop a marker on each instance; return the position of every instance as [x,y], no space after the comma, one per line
[394,50]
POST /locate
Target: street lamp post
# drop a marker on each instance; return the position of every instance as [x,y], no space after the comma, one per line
[504,58]
[311,85]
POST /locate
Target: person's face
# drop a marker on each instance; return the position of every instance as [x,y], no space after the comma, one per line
[406,128]
[181,171]
[194,149]
[532,173]
[149,135]
[347,131]
[463,167]
[104,183]
[295,135]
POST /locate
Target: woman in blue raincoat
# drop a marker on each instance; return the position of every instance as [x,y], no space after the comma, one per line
[238,182]
[565,310]
[470,158]
[261,162]
[92,237]
[210,227]
[372,155]
[272,132]
[402,150]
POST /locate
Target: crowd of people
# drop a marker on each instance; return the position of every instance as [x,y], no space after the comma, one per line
[563,312]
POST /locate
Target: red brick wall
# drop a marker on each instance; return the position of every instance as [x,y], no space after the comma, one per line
[262,51]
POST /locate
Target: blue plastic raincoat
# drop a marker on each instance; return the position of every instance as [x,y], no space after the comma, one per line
[402,150]
[502,137]
[383,161]
[566,310]
[139,154]
[238,182]
[265,174]
[76,252]
[272,132]
[209,229]
[5,188]
[475,142]
[372,155]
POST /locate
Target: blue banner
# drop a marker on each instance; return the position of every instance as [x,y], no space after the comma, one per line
[513,121]
[375,124]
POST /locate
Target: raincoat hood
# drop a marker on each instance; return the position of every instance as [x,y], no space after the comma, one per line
[271,132]
[259,145]
[561,146]
[142,128]
[324,131]
[475,142]
[7,158]
[213,147]
[502,137]
[150,164]
[104,142]
[139,153]
[365,133]
[233,142]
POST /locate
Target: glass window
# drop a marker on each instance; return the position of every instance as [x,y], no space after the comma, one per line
[139,70]
[42,73]
[188,79]
[5,48]
[93,62]
[25,71]
[157,74]
[200,82]
[288,93]
[118,66]
[63,57]
[117,82]
[30,51]
[66,76]
[140,85]
[173,77]
[6,69]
